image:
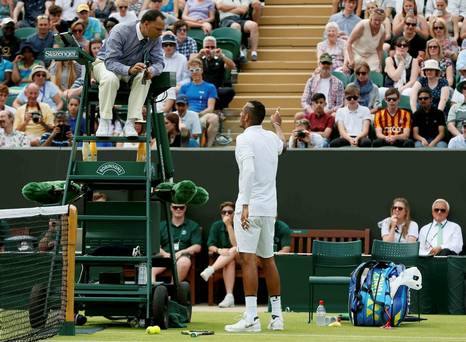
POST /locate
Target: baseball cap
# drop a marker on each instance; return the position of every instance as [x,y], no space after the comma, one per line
[169,38]
[82,7]
[182,99]
[6,21]
[326,58]
[460,85]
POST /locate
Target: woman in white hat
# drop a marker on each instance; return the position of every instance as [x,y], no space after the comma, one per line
[431,80]
[48,91]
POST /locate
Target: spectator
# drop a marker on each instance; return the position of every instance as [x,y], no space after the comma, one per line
[65,73]
[78,29]
[199,14]
[440,237]
[33,118]
[189,120]
[371,6]
[457,96]
[9,137]
[174,61]
[438,30]
[4,92]
[48,91]
[43,38]
[32,9]
[410,9]
[69,8]
[73,109]
[300,137]
[334,46]
[99,196]
[9,42]
[222,242]
[321,123]
[6,69]
[346,19]
[281,238]
[187,240]
[170,19]
[186,45]
[450,19]
[399,227]
[201,99]
[366,42]
[109,23]
[172,126]
[323,82]
[6,8]
[458,8]
[369,92]
[215,63]
[417,44]
[23,64]
[435,51]
[57,24]
[392,124]
[102,9]
[123,15]
[428,122]
[432,80]
[61,135]
[92,27]
[353,121]
[459,142]
[231,13]
[457,113]
[401,69]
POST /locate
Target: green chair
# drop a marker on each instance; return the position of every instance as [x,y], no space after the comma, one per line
[229,39]
[198,35]
[399,253]
[228,54]
[376,78]
[404,102]
[341,76]
[24,33]
[341,256]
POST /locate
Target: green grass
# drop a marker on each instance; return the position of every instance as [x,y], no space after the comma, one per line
[437,328]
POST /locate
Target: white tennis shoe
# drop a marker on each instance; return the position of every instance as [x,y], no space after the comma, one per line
[244,326]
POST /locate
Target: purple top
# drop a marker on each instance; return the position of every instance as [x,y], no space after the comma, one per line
[200,10]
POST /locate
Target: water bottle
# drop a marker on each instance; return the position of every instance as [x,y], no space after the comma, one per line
[142,274]
[234,75]
[320,314]
[86,151]
[93,150]
[141,154]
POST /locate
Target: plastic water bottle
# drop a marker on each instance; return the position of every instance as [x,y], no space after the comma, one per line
[321,315]
[142,274]
[86,151]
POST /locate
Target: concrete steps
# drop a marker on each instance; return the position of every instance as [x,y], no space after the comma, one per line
[272,101]
[287,31]
[269,88]
[286,113]
[300,9]
[281,54]
[289,43]
[296,20]
[282,66]
[272,77]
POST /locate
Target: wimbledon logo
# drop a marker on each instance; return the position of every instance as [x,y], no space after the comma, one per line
[111,167]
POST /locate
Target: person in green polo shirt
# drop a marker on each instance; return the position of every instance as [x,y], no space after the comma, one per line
[187,240]
[222,242]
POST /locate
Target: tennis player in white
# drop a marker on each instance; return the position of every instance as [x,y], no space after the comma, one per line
[256,153]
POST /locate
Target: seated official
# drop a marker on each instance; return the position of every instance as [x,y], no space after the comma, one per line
[122,57]
[187,240]
[441,236]
[399,227]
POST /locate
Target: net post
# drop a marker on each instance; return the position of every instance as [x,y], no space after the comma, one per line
[68,328]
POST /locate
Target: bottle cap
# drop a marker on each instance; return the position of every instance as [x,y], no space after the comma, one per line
[321,302]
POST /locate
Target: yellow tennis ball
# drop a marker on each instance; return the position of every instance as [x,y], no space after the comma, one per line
[156,329]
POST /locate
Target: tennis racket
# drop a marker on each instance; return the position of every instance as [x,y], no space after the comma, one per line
[196,333]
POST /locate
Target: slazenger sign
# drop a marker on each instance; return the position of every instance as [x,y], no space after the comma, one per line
[61,53]
[111,167]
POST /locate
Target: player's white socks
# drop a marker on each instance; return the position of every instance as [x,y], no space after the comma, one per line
[276,304]
[251,308]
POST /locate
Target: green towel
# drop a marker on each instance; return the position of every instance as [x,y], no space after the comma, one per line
[177,315]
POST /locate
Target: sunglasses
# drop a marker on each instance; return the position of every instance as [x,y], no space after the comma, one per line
[433,47]
[438,27]
[40,74]
[181,30]
[402,45]
[77,31]
[229,212]
[178,207]
[209,47]
[363,73]
[123,7]
[411,24]
[398,208]
[352,97]
[167,44]
[440,210]
[392,99]
[195,70]
[423,98]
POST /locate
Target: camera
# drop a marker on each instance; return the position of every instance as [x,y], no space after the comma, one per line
[63,130]
[300,134]
[36,117]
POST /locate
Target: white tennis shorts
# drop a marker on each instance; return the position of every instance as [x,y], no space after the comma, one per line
[258,239]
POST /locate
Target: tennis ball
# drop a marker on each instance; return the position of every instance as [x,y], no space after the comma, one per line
[153,330]
[335,324]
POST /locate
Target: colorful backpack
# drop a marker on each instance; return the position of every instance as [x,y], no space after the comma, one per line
[370,302]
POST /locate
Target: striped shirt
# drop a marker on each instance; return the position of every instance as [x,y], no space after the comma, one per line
[392,124]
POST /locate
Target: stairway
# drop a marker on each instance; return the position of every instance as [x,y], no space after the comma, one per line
[289,33]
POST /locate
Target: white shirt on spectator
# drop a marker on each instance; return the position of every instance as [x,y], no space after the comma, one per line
[170,94]
[452,237]
[69,12]
[353,120]
[458,142]
[413,230]
[178,64]
[192,122]
[224,15]
[130,17]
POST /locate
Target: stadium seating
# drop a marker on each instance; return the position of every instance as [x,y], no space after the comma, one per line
[24,33]
[198,35]
[229,39]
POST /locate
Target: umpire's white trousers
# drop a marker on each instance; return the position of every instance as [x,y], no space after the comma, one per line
[109,83]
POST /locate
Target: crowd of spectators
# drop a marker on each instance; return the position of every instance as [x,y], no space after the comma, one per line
[408,62]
